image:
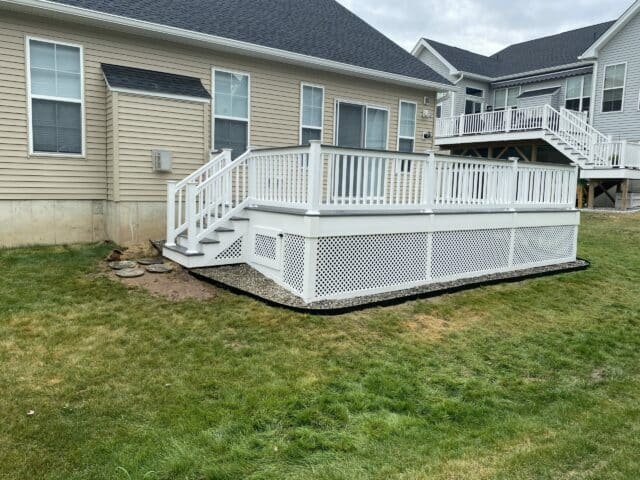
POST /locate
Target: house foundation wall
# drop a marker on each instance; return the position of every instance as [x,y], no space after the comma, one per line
[51,222]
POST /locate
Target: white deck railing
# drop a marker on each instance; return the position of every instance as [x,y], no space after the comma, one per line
[569,127]
[325,178]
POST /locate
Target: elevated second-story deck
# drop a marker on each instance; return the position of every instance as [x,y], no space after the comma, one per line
[567,131]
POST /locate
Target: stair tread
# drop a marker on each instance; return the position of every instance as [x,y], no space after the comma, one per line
[183,251]
[224,229]
[204,241]
[239,219]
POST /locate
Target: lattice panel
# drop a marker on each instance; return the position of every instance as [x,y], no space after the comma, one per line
[364,262]
[265,246]
[293,268]
[462,252]
[543,244]
[232,251]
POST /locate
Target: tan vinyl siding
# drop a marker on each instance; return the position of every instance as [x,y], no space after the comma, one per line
[275,109]
[146,123]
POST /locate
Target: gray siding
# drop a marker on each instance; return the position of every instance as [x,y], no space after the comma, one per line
[624,47]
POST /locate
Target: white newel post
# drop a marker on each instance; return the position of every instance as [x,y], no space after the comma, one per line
[461,125]
[623,153]
[191,209]
[545,117]
[252,178]
[514,183]
[429,182]
[507,119]
[171,213]
[314,177]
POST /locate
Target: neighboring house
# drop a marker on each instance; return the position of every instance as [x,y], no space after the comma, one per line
[586,78]
[286,134]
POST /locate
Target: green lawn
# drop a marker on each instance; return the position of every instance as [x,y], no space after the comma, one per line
[533,380]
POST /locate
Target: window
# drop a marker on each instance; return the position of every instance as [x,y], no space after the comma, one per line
[311,113]
[55,97]
[407,126]
[471,106]
[613,89]
[440,98]
[438,111]
[505,98]
[230,111]
[578,93]
[475,92]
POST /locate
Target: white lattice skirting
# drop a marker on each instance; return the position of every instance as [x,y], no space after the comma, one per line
[348,266]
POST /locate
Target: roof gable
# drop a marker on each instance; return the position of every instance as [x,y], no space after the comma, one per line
[612,31]
[321,29]
[534,55]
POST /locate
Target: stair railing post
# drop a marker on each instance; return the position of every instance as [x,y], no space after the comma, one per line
[461,125]
[507,119]
[191,209]
[314,177]
[545,117]
[170,239]
[252,177]
[429,182]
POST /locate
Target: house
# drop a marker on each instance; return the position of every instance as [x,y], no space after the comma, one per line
[285,134]
[570,97]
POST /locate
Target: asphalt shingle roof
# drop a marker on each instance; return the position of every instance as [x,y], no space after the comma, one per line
[318,28]
[541,53]
[150,81]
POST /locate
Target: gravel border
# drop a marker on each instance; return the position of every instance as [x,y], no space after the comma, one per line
[243,279]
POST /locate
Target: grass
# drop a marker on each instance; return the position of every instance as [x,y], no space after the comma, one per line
[533,380]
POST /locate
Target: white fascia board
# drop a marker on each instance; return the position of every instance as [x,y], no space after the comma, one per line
[423,44]
[155,30]
[593,51]
[533,73]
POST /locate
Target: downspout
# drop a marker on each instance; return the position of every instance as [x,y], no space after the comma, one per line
[453,103]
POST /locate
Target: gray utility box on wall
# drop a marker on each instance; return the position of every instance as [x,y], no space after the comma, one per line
[161,161]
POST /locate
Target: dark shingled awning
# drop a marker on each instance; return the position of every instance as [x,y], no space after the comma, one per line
[154,82]
[538,93]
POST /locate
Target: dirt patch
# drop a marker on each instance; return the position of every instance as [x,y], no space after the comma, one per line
[176,286]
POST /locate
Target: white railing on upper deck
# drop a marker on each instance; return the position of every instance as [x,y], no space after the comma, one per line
[572,128]
[320,178]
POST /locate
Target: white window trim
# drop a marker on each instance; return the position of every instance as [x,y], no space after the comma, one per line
[30,97]
[367,106]
[302,125]
[400,137]
[624,87]
[225,117]
[582,92]
[506,98]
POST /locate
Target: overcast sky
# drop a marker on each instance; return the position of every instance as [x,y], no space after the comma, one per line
[482,26]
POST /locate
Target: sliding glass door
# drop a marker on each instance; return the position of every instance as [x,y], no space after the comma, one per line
[359,127]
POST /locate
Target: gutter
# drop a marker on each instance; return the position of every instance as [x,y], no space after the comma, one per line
[91,17]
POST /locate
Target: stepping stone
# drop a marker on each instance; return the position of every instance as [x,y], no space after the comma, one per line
[150,261]
[130,273]
[159,268]
[122,265]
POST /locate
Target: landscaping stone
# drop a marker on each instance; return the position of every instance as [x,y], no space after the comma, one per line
[122,265]
[159,268]
[150,261]
[130,273]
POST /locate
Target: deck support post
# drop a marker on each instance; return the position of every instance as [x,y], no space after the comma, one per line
[191,211]
[314,177]
[591,195]
[170,239]
[624,195]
